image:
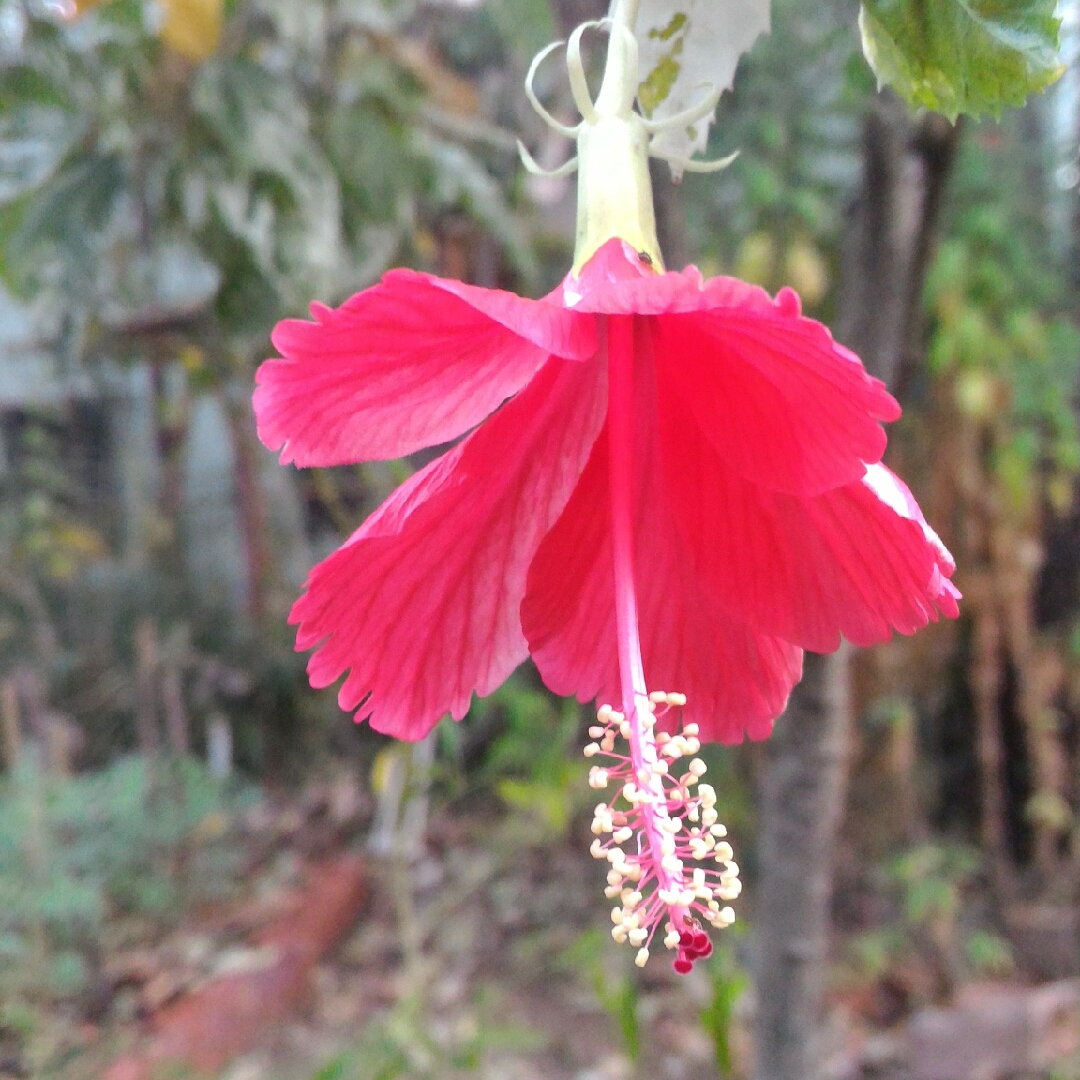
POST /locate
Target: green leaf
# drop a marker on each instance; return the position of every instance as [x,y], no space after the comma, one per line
[962,56]
[34,139]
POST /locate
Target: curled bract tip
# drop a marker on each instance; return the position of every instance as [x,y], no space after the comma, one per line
[615,101]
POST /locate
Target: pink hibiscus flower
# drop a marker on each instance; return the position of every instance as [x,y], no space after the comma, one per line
[692,453]
[659,475]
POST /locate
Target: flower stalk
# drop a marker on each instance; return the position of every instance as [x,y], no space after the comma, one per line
[614,190]
[614,143]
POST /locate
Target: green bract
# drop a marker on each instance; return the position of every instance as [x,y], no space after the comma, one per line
[962,56]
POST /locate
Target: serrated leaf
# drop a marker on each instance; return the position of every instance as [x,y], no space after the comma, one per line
[962,56]
[685,46]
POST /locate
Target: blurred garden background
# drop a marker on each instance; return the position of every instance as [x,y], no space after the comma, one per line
[182,817]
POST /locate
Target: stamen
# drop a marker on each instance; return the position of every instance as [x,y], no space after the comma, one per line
[679,872]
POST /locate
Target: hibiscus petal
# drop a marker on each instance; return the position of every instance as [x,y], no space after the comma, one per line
[736,681]
[779,399]
[412,362]
[781,403]
[422,602]
[807,570]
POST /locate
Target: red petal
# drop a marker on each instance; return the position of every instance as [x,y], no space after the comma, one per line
[735,680]
[422,603]
[806,570]
[779,400]
[412,362]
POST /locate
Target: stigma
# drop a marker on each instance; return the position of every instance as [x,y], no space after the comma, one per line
[670,866]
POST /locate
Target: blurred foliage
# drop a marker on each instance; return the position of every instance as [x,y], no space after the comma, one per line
[535,762]
[75,852]
[999,395]
[139,188]
[174,178]
[45,541]
[1011,360]
[407,1041]
[611,975]
[932,886]
[728,982]
[774,218]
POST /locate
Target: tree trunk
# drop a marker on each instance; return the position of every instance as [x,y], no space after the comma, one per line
[802,803]
[887,252]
